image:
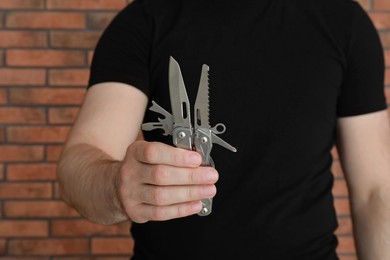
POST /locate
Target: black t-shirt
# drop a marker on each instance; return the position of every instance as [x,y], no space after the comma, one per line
[281,73]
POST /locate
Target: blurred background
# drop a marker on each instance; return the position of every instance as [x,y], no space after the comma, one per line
[46,48]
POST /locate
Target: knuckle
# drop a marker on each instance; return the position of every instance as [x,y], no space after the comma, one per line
[149,152]
[193,177]
[158,213]
[159,175]
[182,211]
[132,149]
[189,194]
[159,196]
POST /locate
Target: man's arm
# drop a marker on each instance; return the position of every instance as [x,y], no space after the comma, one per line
[109,177]
[364,148]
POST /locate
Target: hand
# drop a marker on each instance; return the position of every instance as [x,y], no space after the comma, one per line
[161,182]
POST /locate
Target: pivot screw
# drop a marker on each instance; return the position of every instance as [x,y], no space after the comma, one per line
[203,140]
[181,135]
[204,210]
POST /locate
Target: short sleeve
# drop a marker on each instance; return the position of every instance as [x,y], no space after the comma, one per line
[362,90]
[122,53]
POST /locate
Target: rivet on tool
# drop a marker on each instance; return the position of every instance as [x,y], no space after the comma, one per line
[204,210]
[181,135]
[203,140]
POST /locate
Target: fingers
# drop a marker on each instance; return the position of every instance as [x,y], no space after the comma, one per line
[168,195]
[168,175]
[158,213]
[161,182]
[159,153]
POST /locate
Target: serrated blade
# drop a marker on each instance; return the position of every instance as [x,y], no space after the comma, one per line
[202,112]
[179,99]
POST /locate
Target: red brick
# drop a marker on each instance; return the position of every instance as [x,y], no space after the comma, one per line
[340,187]
[31,134]
[3,96]
[22,39]
[71,39]
[81,227]
[46,20]
[382,5]
[22,115]
[346,245]
[53,152]
[86,4]
[90,57]
[42,58]
[25,258]
[381,20]
[26,247]
[336,169]
[2,57]
[68,77]
[385,38]
[1,172]
[387,94]
[63,115]
[44,96]
[112,246]
[334,153]
[1,20]
[28,190]
[3,247]
[22,153]
[31,172]
[387,77]
[2,135]
[22,77]
[24,229]
[22,4]
[342,206]
[387,57]
[345,226]
[37,209]
[57,191]
[99,20]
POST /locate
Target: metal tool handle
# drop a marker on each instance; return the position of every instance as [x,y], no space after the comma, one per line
[203,145]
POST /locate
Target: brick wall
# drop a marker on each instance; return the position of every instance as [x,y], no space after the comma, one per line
[45,50]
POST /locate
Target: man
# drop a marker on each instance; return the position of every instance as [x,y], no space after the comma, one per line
[289,79]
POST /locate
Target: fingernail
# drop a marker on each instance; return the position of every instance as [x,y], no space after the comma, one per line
[212,176]
[209,190]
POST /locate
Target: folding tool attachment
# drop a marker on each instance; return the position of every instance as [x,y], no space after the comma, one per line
[200,137]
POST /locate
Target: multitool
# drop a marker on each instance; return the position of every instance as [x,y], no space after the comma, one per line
[199,138]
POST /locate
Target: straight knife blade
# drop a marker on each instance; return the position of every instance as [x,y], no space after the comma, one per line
[179,99]
[201,107]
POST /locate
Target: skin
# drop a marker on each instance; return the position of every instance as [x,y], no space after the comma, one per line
[132,179]
[104,160]
[364,148]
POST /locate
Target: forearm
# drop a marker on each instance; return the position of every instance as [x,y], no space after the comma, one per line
[88,180]
[372,225]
